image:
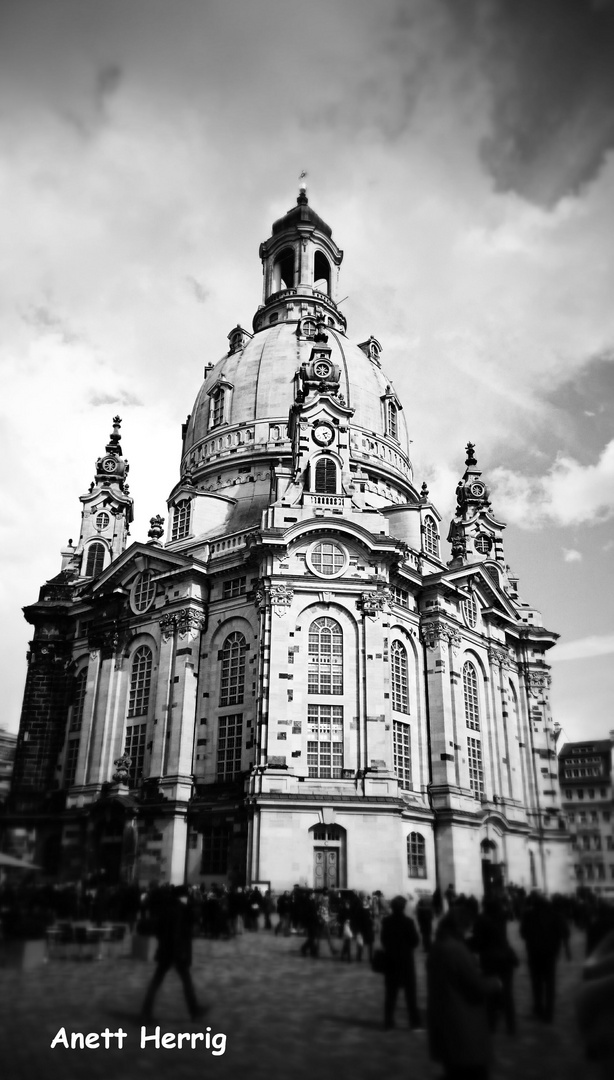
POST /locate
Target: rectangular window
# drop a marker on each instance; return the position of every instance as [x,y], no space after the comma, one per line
[234,587]
[325,741]
[476,775]
[216,844]
[402,753]
[229,745]
[70,766]
[399,596]
[135,750]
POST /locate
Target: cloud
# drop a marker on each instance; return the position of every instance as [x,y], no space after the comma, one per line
[572,555]
[584,648]
[122,397]
[570,493]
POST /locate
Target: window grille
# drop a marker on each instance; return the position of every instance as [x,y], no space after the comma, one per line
[325,667]
[78,704]
[102,520]
[216,845]
[235,587]
[95,560]
[144,592]
[431,537]
[392,420]
[470,694]
[483,544]
[325,741]
[181,520]
[70,765]
[134,748]
[218,399]
[470,610]
[476,774]
[402,753]
[232,683]
[140,682]
[229,744]
[327,559]
[400,682]
[416,855]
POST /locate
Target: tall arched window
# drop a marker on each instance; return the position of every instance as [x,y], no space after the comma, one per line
[325,669]
[326,476]
[78,703]
[95,560]
[470,695]
[431,537]
[392,420]
[399,677]
[232,682]
[321,273]
[140,682]
[181,519]
[283,271]
[416,855]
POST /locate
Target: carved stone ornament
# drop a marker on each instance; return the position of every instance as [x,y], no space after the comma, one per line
[122,769]
[434,633]
[281,595]
[499,656]
[538,682]
[187,622]
[371,603]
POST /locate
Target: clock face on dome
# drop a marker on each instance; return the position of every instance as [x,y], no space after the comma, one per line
[109,465]
[323,434]
[477,490]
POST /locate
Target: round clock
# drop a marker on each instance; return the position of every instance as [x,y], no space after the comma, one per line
[477,490]
[322,369]
[109,465]
[323,434]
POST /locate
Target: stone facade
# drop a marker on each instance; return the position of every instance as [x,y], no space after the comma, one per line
[295,687]
[586,773]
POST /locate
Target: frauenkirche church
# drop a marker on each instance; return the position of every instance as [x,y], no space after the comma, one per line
[297,684]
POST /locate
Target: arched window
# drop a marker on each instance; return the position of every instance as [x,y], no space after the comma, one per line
[325,476]
[325,669]
[416,855]
[392,420]
[399,675]
[327,559]
[470,610]
[217,407]
[470,694]
[78,703]
[283,271]
[431,537]
[181,520]
[144,592]
[321,273]
[140,682]
[232,682]
[95,560]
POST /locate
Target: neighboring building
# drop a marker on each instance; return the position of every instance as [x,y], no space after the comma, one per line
[8,744]
[586,773]
[296,686]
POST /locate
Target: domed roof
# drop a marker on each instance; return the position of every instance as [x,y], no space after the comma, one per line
[261,383]
[301,213]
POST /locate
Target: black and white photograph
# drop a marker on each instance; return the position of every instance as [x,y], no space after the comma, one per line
[307,419]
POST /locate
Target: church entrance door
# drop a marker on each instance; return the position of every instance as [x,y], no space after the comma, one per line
[326,868]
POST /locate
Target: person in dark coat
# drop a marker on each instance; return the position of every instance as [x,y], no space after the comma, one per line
[399,939]
[174,919]
[424,915]
[544,930]
[311,924]
[459,1036]
[498,959]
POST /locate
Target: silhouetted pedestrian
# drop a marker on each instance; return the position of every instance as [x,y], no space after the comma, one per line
[174,932]
[399,939]
[544,930]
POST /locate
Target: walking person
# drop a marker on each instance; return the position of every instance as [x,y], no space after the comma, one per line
[399,939]
[544,930]
[174,919]
[459,1035]
[498,959]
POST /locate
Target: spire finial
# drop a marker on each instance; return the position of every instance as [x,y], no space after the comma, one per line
[302,194]
[471,458]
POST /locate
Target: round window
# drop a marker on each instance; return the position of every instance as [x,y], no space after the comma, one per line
[143,592]
[102,521]
[327,559]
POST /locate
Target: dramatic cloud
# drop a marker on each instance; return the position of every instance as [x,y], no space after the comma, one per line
[583,649]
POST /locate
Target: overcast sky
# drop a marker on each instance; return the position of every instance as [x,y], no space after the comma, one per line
[461,150]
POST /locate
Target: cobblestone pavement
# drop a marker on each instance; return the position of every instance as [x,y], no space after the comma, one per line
[285,1017]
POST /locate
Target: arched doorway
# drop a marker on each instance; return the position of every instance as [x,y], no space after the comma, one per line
[492,867]
[329,856]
